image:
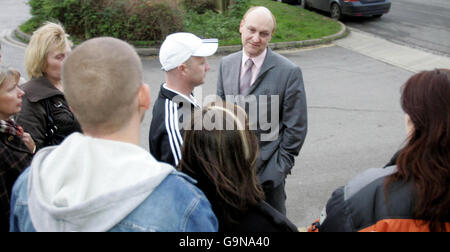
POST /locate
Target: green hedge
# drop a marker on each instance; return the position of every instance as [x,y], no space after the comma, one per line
[141,22]
[135,20]
[199,6]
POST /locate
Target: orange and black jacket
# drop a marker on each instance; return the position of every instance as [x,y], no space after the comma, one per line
[361,206]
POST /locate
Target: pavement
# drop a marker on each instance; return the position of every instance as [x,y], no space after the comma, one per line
[412,59]
[414,23]
[353,92]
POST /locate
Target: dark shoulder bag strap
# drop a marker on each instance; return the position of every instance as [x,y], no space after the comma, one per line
[51,127]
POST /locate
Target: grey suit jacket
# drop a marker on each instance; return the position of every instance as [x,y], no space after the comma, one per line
[278,88]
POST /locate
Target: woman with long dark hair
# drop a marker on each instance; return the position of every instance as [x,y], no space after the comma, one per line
[220,152]
[414,194]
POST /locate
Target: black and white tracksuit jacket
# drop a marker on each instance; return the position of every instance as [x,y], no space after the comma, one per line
[166,134]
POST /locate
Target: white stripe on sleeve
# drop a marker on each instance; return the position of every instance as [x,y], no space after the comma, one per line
[169,135]
[172,122]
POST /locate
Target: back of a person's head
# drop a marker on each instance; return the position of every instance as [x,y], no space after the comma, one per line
[225,156]
[426,157]
[101,79]
[425,98]
[43,39]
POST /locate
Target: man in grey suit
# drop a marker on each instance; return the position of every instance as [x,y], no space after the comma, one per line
[273,85]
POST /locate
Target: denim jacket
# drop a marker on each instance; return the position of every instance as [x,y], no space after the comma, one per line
[176,205]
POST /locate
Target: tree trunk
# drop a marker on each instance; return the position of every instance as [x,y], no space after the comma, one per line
[222,5]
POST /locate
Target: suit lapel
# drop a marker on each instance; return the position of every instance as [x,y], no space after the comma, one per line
[266,66]
[236,74]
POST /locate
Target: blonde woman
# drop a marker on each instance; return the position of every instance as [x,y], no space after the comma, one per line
[46,114]
[16,146]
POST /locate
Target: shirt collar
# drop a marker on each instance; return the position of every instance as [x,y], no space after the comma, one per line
[258,61]
[38,89]
[190,99]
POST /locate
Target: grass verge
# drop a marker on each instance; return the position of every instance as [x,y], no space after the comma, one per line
[293,24]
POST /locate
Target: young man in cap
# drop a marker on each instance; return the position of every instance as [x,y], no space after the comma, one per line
[182,56]
[102,180]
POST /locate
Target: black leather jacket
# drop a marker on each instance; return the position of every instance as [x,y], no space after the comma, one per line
[14,158]
[34,118]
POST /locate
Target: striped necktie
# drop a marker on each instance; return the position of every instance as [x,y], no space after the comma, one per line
[247,78]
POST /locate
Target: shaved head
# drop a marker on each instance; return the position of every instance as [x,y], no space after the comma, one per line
[101,79]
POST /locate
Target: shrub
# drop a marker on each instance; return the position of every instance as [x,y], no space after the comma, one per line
[131,20]
[199,6]
[215,25]
[239,8]
[140,22]
[153,21]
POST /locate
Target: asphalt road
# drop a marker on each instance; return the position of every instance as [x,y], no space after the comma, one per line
[415,23]
[355,119]
[12,14]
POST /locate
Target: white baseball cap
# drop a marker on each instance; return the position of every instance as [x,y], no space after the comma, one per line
[179,47]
